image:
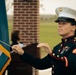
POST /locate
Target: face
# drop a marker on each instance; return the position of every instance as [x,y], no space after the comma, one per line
[19,35]
[65,29]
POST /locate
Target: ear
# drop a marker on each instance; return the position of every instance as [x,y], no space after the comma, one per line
[73,28]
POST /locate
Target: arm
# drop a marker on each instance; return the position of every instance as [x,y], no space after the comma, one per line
[68,62]
[55,59]
[35,62]
[43,63]
[71,60]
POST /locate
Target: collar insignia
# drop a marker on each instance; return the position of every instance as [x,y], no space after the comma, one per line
[66,48]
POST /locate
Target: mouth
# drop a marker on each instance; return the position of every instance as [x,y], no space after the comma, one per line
[59,30]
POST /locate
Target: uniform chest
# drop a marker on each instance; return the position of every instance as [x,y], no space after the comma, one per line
[62,50]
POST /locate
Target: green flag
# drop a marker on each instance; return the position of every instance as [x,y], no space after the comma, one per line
[4,36]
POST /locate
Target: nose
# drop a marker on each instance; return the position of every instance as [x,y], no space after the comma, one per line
[59,25]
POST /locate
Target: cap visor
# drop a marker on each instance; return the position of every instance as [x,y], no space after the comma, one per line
[61,20]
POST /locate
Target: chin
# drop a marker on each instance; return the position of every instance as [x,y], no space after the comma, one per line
[61,35]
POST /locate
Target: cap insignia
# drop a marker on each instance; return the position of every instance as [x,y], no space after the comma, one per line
[60,9]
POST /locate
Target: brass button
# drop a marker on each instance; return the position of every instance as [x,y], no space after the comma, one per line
[65,40]
[53,66]
[74,39]
[61,45]
[59,50]
[57,55]
[66,46]
[53,54]
[61,57]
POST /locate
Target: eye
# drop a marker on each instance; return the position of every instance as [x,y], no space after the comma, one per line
[62,23]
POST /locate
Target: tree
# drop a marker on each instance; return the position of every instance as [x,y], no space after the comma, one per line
[9,4]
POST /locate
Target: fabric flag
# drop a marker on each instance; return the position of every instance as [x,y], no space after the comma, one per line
[3,54]
[4,36]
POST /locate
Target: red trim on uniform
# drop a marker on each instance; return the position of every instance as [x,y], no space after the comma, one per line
[66,61]
[74,51]
[56,57]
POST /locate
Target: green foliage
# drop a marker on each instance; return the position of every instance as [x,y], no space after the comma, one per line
[49,18]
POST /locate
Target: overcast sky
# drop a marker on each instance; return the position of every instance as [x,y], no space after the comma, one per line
[51,5]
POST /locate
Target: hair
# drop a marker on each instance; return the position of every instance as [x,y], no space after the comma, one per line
[75,33]
[74,24]
[15,35]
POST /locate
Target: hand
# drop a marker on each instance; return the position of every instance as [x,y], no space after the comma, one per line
[17,49]
[74,51]
[21,45]
[46,47]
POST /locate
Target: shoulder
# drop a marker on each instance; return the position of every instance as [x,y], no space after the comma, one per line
[58,45]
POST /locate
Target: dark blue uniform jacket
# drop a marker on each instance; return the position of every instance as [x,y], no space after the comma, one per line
[61,56]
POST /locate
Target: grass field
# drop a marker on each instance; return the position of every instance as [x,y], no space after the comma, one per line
[10,27]
[47,33]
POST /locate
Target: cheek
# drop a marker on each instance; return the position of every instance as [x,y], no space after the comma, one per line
[19,36]
[67,29]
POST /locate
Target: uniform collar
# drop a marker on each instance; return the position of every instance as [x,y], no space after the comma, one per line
[68,39]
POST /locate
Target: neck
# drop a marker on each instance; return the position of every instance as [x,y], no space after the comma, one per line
[67,36]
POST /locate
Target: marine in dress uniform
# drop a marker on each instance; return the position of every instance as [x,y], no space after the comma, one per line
[62,59]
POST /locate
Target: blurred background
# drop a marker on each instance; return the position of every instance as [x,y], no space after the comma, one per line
[47,26]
